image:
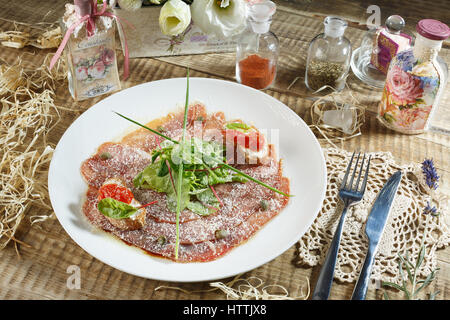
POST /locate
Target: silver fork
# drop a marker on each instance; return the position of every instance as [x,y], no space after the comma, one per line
[350,195]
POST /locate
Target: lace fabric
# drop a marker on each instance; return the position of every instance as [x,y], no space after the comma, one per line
[403,232]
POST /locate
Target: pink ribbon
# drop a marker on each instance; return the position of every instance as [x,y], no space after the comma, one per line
[90,27]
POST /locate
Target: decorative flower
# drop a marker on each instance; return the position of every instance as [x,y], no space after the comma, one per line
[107,57]
[403,87]
[97,70]
[222,18]
[430,174]
[406,59]
[81,73]
[425,69]
[130,5]
[174,17]
[411,118]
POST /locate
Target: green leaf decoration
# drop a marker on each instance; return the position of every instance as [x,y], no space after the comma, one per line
[238,126]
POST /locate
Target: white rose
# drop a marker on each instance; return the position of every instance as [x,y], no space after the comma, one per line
[174,17]
[220,18]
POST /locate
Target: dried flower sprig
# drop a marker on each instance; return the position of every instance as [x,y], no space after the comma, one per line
[431,210]
[431,178]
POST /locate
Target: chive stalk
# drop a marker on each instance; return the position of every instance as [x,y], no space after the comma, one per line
[180,171]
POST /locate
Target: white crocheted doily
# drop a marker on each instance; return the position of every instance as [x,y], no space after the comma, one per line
[404,229]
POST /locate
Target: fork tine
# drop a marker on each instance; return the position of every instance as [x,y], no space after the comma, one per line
[363,187]
[360,171]
[350,187]
[344,181]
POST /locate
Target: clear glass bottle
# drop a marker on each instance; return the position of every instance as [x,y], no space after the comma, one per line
[415,81]
[90,54]
[257,48]
[329,56]
[371,60]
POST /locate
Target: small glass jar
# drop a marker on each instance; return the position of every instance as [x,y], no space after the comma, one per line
[371,60]
[257,48]
[415,81]
[329,56]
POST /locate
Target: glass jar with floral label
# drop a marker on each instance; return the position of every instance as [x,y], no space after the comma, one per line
[415,81]
[90,50]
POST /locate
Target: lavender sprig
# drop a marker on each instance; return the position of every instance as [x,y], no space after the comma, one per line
[430,174]
[431,210]
[431,179]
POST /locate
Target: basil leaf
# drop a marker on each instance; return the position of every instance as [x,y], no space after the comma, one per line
[238,126]
[115,209]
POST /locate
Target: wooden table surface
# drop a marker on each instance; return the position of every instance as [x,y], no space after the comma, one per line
[41,270]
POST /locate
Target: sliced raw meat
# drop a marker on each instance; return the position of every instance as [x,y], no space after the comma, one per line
[240,201]
[240,216]
[114,160]
[171,126]
[200,252]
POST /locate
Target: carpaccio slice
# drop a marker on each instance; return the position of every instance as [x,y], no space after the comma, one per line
[170,125]
[241,214]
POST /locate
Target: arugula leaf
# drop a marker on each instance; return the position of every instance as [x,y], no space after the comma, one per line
[149,179]
[115,209]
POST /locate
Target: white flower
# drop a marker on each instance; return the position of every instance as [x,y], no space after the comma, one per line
[130,5]
[220,18]
[174,17]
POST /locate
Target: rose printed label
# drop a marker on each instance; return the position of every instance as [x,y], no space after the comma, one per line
[409,92]
[88,69]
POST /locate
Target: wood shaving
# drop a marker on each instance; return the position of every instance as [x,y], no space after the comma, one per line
[29,35]
[27,115]
[336,100]
[252,288]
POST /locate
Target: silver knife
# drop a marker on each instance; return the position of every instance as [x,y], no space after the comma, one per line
[374,230]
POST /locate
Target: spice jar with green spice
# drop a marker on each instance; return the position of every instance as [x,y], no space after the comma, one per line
[329,55]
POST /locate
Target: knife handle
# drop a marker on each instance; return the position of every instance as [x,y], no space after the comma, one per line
[359,293]
[325,280]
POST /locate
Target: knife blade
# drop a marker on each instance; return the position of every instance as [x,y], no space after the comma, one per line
[375,225]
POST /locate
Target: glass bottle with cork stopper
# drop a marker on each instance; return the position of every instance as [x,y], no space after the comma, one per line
[329,56]
[257,48]
[415,81]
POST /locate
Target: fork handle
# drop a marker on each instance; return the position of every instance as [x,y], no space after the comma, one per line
[360,290]
[325,280]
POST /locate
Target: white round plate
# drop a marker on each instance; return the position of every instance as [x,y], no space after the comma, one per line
[302,156]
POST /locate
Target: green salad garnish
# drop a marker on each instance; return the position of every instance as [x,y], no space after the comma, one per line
[202,168]
[187,170]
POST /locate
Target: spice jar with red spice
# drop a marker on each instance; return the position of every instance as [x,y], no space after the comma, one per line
[257,48]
